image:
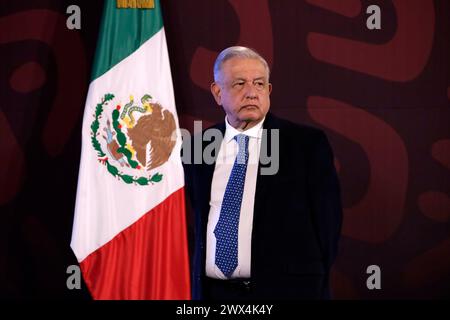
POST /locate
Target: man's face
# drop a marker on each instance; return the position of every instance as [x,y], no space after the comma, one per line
[243,91]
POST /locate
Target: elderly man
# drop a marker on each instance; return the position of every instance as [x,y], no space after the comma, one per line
[262,235]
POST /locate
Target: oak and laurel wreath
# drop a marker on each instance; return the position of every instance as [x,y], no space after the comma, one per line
[122,142]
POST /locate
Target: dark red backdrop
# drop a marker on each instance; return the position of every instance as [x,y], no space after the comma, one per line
[382,96]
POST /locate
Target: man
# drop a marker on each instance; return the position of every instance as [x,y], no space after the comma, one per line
[262,235]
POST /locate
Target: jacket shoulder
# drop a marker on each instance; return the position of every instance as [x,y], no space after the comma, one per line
[297,130]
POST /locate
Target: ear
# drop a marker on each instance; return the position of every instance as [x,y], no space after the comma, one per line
[270,87]
[216,92]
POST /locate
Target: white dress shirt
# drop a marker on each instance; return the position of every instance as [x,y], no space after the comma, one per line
[224,164]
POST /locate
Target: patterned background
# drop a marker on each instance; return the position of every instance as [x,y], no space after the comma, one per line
[382,97]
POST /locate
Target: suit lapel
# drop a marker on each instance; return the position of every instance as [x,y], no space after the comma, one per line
[261,194]
[263,181]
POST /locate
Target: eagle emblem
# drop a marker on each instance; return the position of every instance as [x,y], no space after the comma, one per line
[134,139]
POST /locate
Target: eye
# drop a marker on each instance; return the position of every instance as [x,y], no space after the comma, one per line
[259,84]
[238,84]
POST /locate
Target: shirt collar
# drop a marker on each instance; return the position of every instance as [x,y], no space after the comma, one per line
[253,132]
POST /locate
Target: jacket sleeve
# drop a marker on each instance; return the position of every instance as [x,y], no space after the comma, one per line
[325,198]
[191,189]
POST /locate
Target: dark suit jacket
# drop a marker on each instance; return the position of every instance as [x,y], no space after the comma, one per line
[297,216]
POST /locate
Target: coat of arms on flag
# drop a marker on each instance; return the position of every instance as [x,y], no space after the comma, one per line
[133,139]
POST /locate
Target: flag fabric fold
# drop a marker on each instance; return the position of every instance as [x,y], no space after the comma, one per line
[129,232]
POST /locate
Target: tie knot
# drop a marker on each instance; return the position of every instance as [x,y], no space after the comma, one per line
[242,141]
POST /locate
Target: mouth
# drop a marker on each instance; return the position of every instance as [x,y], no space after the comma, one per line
[249,107]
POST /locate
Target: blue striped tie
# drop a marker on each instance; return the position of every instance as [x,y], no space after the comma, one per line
[227,227]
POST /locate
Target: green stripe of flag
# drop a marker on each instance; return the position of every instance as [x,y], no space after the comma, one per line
[122,32]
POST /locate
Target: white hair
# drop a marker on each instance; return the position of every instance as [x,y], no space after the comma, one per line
[237,52]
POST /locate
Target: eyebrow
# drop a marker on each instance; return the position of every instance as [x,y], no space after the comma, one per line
[243,79]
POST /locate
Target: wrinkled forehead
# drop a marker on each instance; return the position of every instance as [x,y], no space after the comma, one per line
[245,68]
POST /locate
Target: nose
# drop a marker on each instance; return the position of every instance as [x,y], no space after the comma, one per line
[250,91]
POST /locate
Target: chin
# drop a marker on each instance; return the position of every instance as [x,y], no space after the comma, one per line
[251,118]
[251,114]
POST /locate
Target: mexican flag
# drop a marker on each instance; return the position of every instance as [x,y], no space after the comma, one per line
[129,232]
